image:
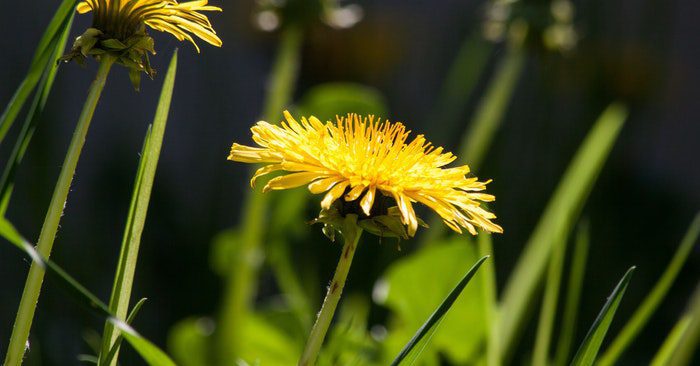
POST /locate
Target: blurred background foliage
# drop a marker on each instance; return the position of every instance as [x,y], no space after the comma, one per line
[548,68]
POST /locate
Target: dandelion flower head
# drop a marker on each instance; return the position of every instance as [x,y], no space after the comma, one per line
[120,19]
[359,158]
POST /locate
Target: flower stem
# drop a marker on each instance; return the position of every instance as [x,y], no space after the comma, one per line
[241,281]
[35,278]
[351,235]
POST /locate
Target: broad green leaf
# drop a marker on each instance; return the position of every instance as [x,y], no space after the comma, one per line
[263,343]
[573,295]
[42,57]
[136,219]
[588,351]
[427,330]
[152,354]
[556,223]
[652,301]
[189,341]
[326,101]
[409,288]
[37,107]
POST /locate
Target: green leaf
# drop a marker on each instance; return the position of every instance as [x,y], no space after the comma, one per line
[31,119]
[129,320]
[152,354]
[556,223]
[573,294]
[189,341]
[326,101]
[42,57]
[136,219]
[652,301]
[430,326]
[590,346]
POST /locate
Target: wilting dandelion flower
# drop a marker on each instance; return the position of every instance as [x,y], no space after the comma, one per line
[366,161]
[120,19]
[119,28]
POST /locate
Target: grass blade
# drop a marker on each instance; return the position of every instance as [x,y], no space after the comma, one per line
[485,123]
[652,301]
[41,59]
[31,120]
[117,344]
[587,352]
[663,356]
[548,310]
[682,354]
[490,291]
[430,325]
[152,354]
[573,294]
[556,222]
[131,242]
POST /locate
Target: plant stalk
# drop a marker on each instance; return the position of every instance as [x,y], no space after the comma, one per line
[241,280]
[25,313]
[318,333]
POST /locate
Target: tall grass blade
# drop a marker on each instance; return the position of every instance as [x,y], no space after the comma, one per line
[679,334]
[490,291]
[652,301]
[556,222]
[587,352]
[687,343]
[459,84]
[131,242]
[548,310]
[151,353]
[42,58]
[486,122]
[31,120]
[430,325]
[573,294]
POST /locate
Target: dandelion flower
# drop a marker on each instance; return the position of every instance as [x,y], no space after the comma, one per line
[120,19]
[119,30]
[362,159]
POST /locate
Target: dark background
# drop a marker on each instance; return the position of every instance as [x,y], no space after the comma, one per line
[645,53]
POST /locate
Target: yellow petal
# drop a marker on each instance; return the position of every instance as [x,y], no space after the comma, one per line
[334,194]
[368,200]
[291,181]
[355,193]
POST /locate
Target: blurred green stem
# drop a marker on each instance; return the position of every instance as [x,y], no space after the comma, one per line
[242,278]
[486,121]
[351,235]
[32,288]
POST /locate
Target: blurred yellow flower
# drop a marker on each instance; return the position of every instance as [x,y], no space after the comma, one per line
[360,156]
[120,19]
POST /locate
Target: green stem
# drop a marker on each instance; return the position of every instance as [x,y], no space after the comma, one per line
[318,333]
[485,123]
[32,288]
[245,262]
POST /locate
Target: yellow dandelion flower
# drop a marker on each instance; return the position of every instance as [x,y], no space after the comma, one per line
[120,19]
[358,157]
